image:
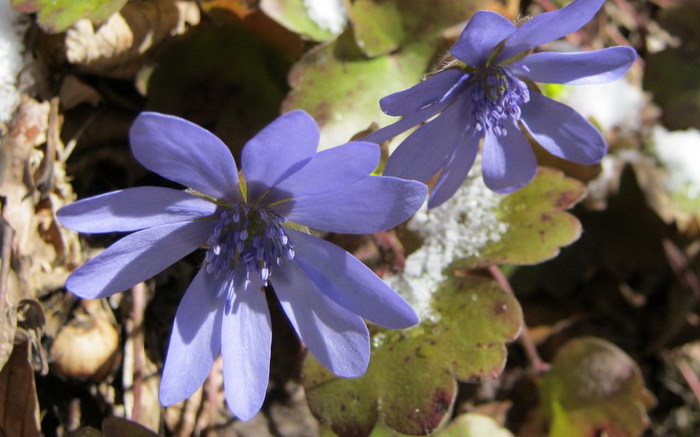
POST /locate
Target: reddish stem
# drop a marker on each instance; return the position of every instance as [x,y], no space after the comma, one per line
[137,311]
[690,378]
[537,363]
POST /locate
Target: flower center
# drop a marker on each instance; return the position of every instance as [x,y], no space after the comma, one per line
[496,98]
[247,244]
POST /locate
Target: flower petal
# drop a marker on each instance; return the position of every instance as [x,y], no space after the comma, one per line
[585,68]
[407,122]
[480,37]
[185,153]
[508,161]
[373,204]
[133,209]
[427,92]
[337,338]
[329,170]
[137,257]
[455,171]
[423,153]
[279,150]
[550,26]
[349,283]
[247,337]
[562,131]
[195,341]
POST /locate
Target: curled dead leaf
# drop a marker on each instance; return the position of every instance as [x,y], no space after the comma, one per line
[87,347]
[85,44]
[115,48]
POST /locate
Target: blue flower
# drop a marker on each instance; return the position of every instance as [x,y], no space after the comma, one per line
[250,225]
[488,97]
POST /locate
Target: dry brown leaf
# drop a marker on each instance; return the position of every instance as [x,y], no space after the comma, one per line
[8,312]
[115,48]
[85,44]
[34,187]
[75,92]
[19,406]
[240,8]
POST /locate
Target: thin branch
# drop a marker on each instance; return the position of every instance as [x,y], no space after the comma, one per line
[537,363]
[690,378]
[681,267]
[137,311]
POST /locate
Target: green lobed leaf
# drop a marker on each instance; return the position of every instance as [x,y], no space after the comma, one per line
[56,16]
[474,425]
[537,224]
[411,380]
[381,26]
[377,25]
[293,15]
[341,82]
[341,87]
[594,387]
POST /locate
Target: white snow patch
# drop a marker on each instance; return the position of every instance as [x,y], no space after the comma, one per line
[615,104]
[327,14]
[12,28]
[679,151]
[457,229]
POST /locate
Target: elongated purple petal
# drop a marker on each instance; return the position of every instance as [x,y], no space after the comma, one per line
[349,283]
[133,209]
[508,161]
[247,336]
[455,171]
[562,131]
[185,153]
[480,37]
[337,338]
[430,91]
[407,122]
[195,341]
[373,204]
[600,66]
[550,26]
[423,153]
[137,257]
[329,170]
[279,150]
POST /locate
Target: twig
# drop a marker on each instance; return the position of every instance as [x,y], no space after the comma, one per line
[137,309]
[7,235]
[690,378]
[537,363]
[680,266]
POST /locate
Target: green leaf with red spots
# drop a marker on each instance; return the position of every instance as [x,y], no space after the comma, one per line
[56,16]
[538,225]
[594,388]
[411,382]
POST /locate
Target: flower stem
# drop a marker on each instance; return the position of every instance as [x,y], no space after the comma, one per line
[537,363]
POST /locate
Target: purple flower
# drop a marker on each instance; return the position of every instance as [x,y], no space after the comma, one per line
[251,230]
[489,98]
